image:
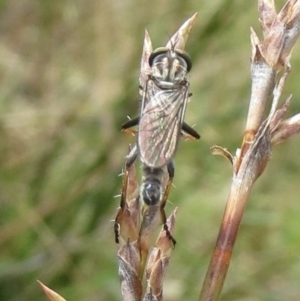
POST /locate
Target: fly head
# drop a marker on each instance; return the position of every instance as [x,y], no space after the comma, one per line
[169,67]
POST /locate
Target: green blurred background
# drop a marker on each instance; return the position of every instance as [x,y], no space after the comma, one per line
[69,76]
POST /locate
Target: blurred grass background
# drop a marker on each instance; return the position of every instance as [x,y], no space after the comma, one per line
[69,76]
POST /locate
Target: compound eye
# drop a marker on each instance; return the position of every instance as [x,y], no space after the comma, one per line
[156,53]
[186,58]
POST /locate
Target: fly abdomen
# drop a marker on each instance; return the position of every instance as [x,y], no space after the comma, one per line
[152,185]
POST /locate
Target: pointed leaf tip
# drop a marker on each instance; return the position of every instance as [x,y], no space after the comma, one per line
[51,295]
[181,36]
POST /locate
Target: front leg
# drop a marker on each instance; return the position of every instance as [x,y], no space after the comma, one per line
[132,156]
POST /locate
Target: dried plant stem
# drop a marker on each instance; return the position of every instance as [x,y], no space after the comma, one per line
[242,184]
[220,260]
[268,58]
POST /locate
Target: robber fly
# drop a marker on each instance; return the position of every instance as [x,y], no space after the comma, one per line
[163,105]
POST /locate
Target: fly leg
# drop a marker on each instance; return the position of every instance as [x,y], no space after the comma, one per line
[132,156]
[171,172]
[130,123]
[186,130]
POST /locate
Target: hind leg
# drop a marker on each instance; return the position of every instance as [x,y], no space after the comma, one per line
[171,172]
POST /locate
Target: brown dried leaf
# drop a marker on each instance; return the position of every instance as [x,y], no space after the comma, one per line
[130,253]
[218,150]
[155,281]
[279,114]
[281,36]
[131,286]
[263,82]
[273,43]
[286,129]
[163,242]
[292,29]
[128,218]
[267,14]
[255,43]
[132,190]
[127,223]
